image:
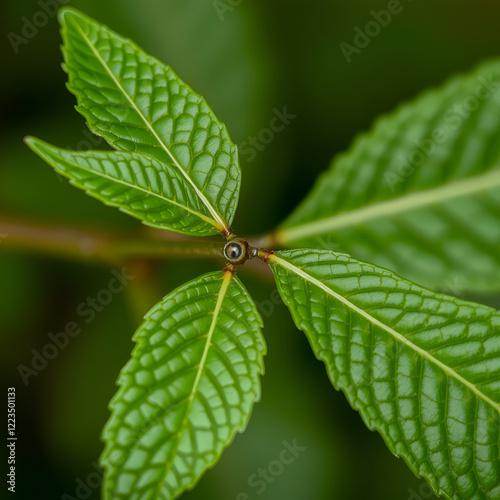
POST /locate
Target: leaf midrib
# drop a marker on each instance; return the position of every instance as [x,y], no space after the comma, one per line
[398,336]
[226,281]
[134,186]
[409,201]
[219,222]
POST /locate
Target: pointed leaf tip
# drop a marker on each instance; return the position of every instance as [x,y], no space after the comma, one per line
[138,104]
[138,185]
[68,14]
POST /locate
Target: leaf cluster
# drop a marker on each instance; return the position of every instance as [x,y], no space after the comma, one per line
[419,194]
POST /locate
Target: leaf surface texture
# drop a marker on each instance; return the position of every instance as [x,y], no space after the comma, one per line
[423,369]
[419,193]
[187,390]
[153,192]
[138,104]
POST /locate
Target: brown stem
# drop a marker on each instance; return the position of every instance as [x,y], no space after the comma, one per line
[112,248]
[107,247]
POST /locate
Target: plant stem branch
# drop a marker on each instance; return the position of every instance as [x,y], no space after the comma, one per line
[113,248]
[107,247]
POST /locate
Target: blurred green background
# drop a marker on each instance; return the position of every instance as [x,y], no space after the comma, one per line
[247,59]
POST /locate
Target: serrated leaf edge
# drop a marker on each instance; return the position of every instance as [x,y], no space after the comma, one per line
[399,337]
[218,221]
[34,143]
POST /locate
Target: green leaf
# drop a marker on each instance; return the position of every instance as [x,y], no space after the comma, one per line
[188,388]
[138,104]
[423,369]
[141,186]
[420,193]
